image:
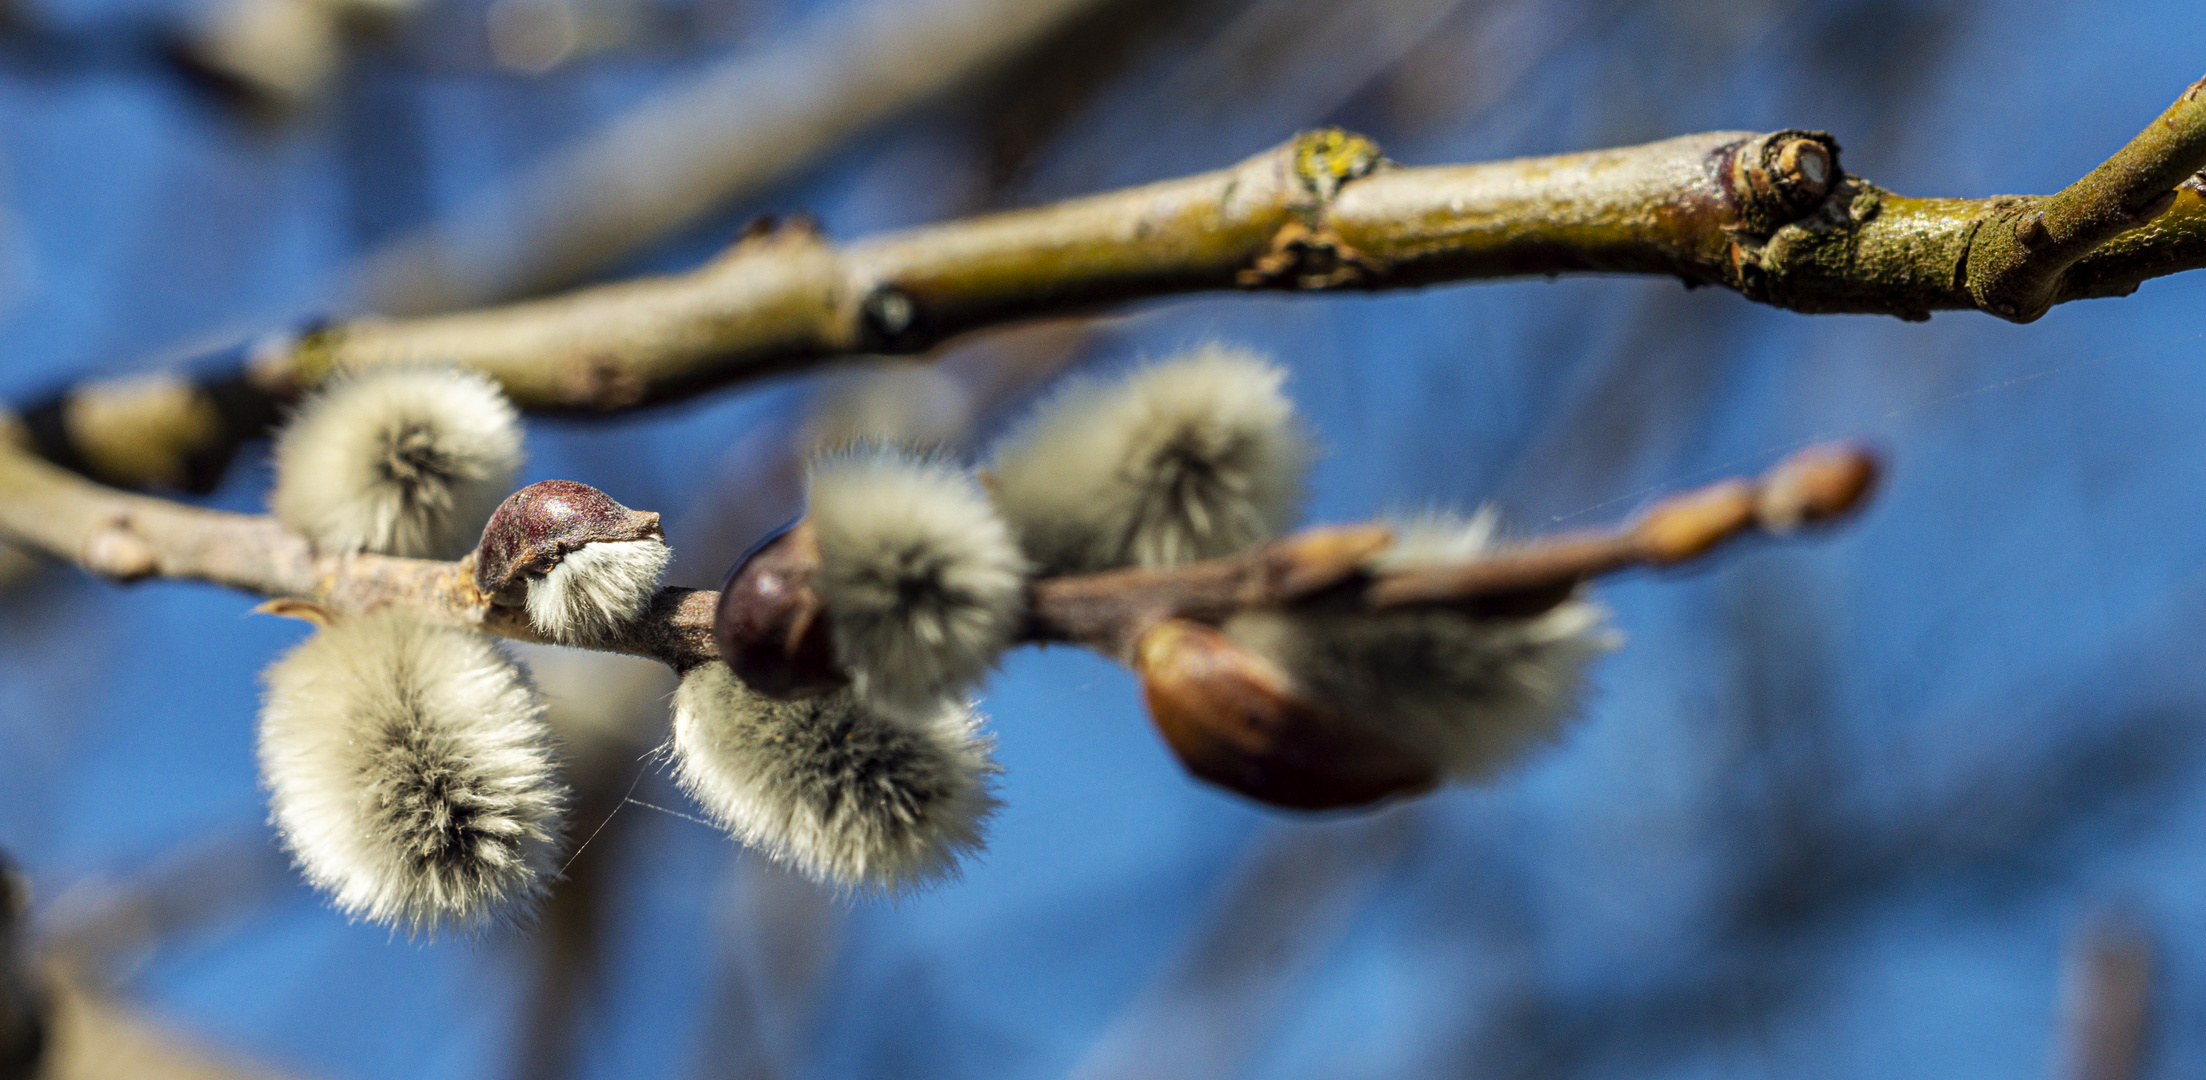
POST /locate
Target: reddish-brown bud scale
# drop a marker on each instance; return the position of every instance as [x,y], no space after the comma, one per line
[771,626]
[538,525]
[1237,721]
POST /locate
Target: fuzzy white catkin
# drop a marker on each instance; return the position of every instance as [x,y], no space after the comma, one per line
[410,773]
[400,461]
[1472,695]
[922,578]
[1191,458]
[597,589]
[828,786]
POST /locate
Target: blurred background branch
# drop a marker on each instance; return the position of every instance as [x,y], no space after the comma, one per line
[729,132]
[2106,1009]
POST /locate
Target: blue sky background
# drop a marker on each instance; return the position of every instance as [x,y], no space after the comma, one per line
[1836,810]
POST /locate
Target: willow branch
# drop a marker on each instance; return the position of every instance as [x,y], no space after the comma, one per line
[1334,569]
[127,537]
[1771,216]
[130,537]
[2020,254]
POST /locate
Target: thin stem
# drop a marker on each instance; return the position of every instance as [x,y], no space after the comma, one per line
[1341,568]
[134,537]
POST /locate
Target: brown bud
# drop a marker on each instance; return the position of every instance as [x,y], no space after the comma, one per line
[771,626]
[538,525]
[1234,719]
[1314,560]
[1816,485]
[291,607]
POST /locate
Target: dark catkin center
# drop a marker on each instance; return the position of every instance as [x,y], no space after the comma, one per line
[413,461]
[1188,479]
[869,769]
[918,576]
[434,805]
[1384,655]
[919,582]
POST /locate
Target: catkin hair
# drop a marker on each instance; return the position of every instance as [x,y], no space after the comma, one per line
[922,579]
[1191,458]
[1473,695]
[597,589]
[832,788]
[400,461]
[410,773]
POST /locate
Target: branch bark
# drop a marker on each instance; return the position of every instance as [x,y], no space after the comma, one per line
[1771,216]
[2020,254]
[130,537]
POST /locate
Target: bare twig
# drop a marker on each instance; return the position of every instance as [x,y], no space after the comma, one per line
[95,1037]
[276,57]
[1332,567]
[131,537]
[81,1031]
[1320,212]
[1772,216]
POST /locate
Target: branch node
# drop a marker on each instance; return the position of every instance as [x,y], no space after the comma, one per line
[1782,177]
[1315,560]
[2032,231]
[2158,206]
[1329,157]
[601,384]
[1304,258]
[2016,266]
[890,315]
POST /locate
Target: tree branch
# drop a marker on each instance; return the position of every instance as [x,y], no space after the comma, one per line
[2019,255]
[134,537]
[1331,568]
[1772,216]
